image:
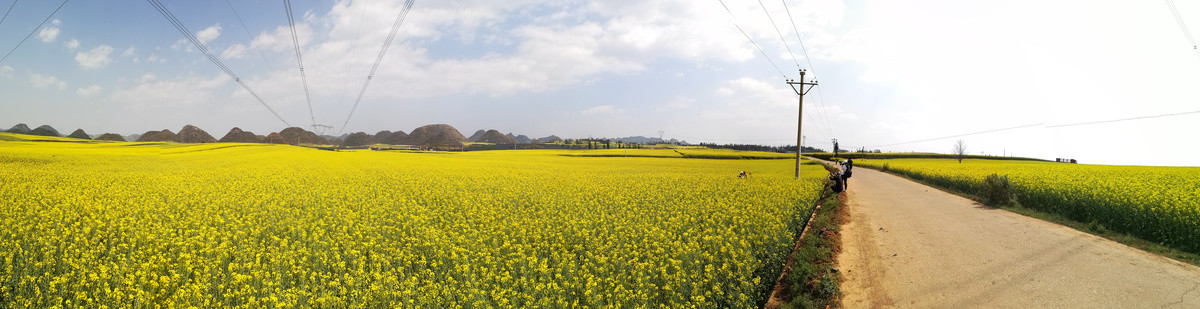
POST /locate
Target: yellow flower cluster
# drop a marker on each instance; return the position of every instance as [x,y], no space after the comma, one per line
[246,225]
[1160,204]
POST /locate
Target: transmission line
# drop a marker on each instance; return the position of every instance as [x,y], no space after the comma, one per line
[780,33]
[166,13]
[287,4]
[959,135]
[35,29]
[239,19]
[353,47]
[1183,26]
[382,51]
[1123,119]
[733,19]
[10,7]
[796,30]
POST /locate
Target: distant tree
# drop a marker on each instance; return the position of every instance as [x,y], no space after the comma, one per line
[960,150]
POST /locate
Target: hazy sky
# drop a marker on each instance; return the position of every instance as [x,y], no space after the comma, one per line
[891,72]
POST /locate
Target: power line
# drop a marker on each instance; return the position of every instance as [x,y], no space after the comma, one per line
[733,19]
[780,33]
[1183,26]
[287,4]
[166,13]
[796,30]
[9,11]
[824,107]
[1122,119]
[239,19]
[959,135]
[353,47]
[382,51]
[35,29]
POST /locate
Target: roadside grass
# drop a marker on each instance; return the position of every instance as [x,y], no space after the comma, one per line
[810,279]
[1093,228]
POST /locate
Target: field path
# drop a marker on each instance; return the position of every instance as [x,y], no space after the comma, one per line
[908,245]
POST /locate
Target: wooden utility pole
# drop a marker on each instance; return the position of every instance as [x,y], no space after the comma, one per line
[800,114]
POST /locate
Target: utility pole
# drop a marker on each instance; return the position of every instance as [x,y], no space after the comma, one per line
[800,114]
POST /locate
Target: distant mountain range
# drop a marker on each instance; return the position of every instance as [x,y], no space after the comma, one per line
[430,135]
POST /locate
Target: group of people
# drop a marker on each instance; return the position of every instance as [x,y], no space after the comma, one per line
[841,177]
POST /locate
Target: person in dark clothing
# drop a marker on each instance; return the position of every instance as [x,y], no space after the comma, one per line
[838,182]
[847,166]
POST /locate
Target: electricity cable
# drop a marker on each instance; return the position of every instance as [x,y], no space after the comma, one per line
[959,135]
[1183,27]
[35,30]
[382,51]
[808,59]
[733,20]
[166,13]
[1122,119]
[239,19]
[10,7]
[780,33]
[353,47]
[287,4]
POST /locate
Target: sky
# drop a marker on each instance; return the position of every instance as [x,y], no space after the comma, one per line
[897,76]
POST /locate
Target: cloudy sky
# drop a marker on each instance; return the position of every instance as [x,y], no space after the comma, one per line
[892,73]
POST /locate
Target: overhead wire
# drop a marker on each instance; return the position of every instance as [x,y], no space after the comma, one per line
[10,7]
[382,51]
[166,13]
[959,135]
[811,67]
[1182,26]
[353,47]
[35,30]
[287,4]
[247,29]
[733,19]
[780,33]
[1123,119]
[824,125]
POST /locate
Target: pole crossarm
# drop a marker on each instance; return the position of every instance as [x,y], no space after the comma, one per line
[802,84]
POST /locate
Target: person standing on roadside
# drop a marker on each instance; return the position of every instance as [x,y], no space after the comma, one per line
[847,166]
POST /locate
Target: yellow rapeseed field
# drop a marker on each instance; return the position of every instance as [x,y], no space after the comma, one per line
[115,225]
[1160,204]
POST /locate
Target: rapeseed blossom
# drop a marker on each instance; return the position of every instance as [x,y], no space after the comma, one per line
[249,225]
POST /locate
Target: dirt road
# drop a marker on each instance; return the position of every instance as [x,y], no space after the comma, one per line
[908,245]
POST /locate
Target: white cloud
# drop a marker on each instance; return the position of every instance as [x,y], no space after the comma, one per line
[89,90]
[155,58]
[209,34]
[72,44]
[680,103]
[56,22]
[603,110]
[95,58]
[235,51]
[182,44]
[188,91]
[43,81]
[6,71]
[48,34]
[149,76]
[281,38]
[129,52]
